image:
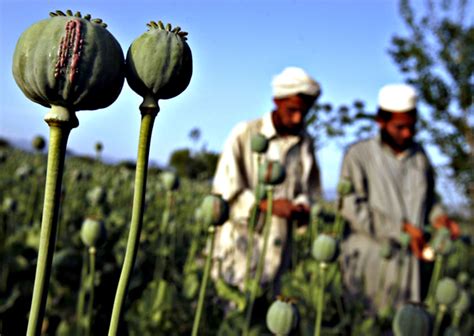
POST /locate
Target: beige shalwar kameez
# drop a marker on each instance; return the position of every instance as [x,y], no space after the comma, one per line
[388,189]
[236,179]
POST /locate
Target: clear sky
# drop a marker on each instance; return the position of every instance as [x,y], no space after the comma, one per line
[237,46]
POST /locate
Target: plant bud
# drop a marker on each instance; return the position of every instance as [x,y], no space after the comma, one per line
[214,210]
[463,302]
[97,195]
[411,320]
[463,278]
[271,173]
[169,180]
[259,143]
[325,248]
[93,232]
[404,240]
[386,250]
[344,187]
[447,291]
[316,210]
[441,242]
[38,143]
[280,317]
[9,204]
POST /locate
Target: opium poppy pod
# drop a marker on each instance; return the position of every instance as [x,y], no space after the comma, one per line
[325,248]
[271,173]
[447,291]
[411,320]
[69,61]
[159,63]
[259,143]
[281,317]
[214,210]
[169,180]
[344,187]
[93,232]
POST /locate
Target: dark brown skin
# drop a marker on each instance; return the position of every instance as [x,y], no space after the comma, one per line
[399,131]
[288,119]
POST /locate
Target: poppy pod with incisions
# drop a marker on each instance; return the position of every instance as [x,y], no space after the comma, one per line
[271,173]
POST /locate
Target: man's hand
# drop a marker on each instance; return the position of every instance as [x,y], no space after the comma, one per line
[286,209]
[417,240]
[452,226]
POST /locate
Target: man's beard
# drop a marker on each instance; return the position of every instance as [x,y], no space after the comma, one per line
[396,146]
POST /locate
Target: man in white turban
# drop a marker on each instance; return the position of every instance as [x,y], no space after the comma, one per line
[236,179]
[393,195]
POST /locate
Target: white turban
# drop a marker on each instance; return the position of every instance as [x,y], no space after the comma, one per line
[397,98]
[293,81]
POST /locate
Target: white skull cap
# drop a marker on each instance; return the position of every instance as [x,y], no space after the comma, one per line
[397,98]
[292,81]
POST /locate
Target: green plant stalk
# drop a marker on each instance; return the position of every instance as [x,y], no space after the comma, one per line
[90,308]
[383,269]
[82,295]
[437,271]
[60,122]
[253,220]
[146,128]
[456,321]
[261,260]
[320,299]
[439,319]
[205,280]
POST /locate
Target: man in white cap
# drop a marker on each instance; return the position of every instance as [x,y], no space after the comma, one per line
[294,93]
[393,193]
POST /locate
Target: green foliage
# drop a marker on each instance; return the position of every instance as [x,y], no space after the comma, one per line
[200,165]
[437,57]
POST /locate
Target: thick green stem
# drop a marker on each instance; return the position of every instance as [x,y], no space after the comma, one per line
[90,308]
[252,223]
[320,299]
[261,260]
[430,301]
[60,122]
[146,128]
[439,319]
[205,279]
[82,295]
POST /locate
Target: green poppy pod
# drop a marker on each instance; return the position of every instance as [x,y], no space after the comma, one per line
[93,232]
[441,242]
[170,180]
[344,187]
[462,303]
[159,63]
[463,279]
[447,291]
[69,61]
[98,146]
[38,143]
[214,210]
[271,173]
[260,192]
[280,317]
[325,249]
[97,195]
[316,210]
[411,320]
[386,250]
[259,143]
[404,240]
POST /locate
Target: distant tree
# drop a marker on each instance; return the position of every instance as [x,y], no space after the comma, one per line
[201,165]
[437,57]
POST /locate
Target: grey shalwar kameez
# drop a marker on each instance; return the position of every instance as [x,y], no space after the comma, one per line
[236,179]
[388,189]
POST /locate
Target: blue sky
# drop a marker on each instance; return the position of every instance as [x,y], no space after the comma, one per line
[238,46]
